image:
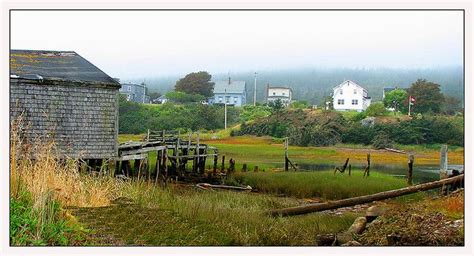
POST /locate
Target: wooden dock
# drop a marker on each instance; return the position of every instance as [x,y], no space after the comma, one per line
[177,156]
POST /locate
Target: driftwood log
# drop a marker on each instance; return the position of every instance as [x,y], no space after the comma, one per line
[209,186]
[364,199]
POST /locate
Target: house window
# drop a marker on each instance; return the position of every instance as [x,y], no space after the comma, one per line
[355,102]
[220,99]
[273,93]
[129,88]
[227,99]
[235,100]
[283,94]
[355,91]
[340,102]
[340,92]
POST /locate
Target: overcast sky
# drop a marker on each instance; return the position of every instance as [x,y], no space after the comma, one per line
[128,44]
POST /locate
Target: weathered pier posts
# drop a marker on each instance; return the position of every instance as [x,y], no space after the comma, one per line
[411,160]
[443,165]
[367,169]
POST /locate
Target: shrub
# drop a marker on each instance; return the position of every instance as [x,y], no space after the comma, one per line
[376,109]
[382,140]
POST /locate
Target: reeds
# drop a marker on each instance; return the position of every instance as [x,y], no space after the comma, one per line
[39,177]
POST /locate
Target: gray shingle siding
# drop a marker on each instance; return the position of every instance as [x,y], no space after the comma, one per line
[82,120]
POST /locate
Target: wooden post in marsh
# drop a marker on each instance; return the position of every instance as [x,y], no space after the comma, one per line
[411,160]
[443,165]
[350,170]
[286,154]
[198,151]
[157,166]
[214,167]
[223,163]
[165,164]
[148,135]
[367,169]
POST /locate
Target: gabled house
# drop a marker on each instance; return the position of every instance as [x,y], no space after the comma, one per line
[135,92]
[233,93]
[62,96]
[284,94]
[350,96]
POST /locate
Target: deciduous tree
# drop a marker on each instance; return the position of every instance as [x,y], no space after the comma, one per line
[196,83]
[428,96]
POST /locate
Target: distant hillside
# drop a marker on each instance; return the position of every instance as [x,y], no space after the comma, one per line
[313,85]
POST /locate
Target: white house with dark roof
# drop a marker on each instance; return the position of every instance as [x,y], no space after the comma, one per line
[232,92]
[284,94]
[350,96]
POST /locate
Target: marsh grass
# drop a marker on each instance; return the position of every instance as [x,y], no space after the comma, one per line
[322,184]
[195,217]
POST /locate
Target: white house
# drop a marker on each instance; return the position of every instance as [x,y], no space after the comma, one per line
[283,93]
[350,96]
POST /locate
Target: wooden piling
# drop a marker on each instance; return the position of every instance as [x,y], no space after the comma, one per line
[367,169]
[411,160]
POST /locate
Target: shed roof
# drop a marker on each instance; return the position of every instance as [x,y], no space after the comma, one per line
[233,87]
[56,65]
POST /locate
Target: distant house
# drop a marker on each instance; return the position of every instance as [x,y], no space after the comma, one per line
[160,100]
[64,97]
[232,92]
[284,94]
[350,96]
[135,92]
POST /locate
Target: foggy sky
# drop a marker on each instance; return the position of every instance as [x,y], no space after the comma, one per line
[128,44]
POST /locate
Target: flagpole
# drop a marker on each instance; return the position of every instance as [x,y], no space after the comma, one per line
[409,105]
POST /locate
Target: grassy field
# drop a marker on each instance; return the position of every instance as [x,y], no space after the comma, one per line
[186,216]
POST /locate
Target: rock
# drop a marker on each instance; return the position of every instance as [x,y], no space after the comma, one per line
[373,212]
[368,121]
[352,243]
[325,240]
[358,226]
[344,238]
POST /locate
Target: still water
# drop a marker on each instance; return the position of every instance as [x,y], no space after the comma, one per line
[421,174]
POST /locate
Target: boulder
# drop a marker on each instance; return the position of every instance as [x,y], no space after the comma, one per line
[358,226]
[373,212]
[325,240]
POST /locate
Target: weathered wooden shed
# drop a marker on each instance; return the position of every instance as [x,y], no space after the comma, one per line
[67,98]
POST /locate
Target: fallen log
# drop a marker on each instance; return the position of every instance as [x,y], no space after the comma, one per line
[207,185]
[395,150]
[363,199]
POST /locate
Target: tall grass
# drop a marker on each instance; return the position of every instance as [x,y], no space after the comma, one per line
[40,183]
[226,218]
[320,183]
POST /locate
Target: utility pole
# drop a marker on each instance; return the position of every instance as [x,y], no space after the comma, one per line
[255,91]
[225,109]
